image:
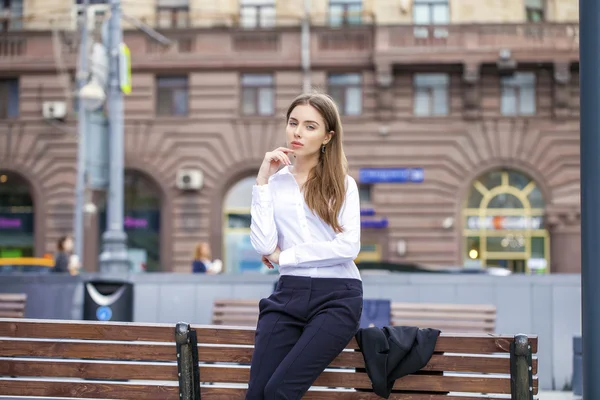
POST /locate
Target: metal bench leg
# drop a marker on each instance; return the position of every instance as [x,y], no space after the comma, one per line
[187,362]
[521,371]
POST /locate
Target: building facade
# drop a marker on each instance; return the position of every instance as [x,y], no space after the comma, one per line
[461,124]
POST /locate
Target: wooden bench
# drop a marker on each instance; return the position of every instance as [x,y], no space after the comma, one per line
[12,305]
[446,317]
[50,358]
[477,318]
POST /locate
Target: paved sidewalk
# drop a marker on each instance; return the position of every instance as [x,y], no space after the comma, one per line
[555,395]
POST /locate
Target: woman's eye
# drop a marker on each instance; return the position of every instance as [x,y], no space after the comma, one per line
[292,123]
[311,127]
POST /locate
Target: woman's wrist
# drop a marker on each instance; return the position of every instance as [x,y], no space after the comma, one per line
[260,180]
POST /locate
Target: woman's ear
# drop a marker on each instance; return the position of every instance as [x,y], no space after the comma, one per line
[329,136]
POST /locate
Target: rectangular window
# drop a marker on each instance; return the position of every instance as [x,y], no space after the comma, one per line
[258,94]
[518,94]
[346,90]
[534,10]
[364,194]
[345,12]
[257,14]
[431,12]
[13,10]
[9,98]
[431,94]
[173,13]
[172,95]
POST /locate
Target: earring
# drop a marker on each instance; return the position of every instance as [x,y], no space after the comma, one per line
[322,148]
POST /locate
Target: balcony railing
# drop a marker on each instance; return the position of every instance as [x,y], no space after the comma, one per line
[11,46]
[280,47]
[553,36]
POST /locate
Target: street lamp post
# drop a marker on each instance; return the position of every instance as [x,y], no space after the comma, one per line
[589,56]
[114,256]
[82,76]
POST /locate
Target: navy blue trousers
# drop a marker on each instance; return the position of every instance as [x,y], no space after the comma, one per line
[302,327]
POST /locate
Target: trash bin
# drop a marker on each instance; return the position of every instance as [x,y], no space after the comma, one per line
[108,300]
[577,383]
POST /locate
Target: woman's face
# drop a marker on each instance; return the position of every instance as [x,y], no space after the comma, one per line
[205,250]
[68,244]
[305,131]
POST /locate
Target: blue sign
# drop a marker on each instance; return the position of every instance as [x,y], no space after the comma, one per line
[391,175]
[374,224]
[367,212]
[104,313]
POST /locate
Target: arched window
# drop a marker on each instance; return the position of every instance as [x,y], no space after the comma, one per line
[142,213]
[504,223]
[16,216]
[238,253]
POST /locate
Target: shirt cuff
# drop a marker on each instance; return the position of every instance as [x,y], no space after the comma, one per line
[261,194]
[287,258]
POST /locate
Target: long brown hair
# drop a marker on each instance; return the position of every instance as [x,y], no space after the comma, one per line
[202,251]
[325,187]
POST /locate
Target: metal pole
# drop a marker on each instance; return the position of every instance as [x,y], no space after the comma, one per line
[589,15]
[306,47]
[114,255]
[82,76]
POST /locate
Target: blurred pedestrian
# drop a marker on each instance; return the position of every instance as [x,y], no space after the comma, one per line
[64,259]
[203,262]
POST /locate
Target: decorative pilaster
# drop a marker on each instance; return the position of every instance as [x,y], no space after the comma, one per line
[562,89]
[471,93]
[385,94]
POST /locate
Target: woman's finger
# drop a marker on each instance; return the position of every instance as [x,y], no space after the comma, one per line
[285,150]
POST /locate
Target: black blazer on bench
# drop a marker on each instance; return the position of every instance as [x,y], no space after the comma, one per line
[392,352]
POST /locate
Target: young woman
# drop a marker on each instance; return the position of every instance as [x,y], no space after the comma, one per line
[305,219]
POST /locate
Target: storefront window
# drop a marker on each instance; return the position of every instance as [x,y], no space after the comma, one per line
[16,216]
[504,223]
[142,215]
[238,253]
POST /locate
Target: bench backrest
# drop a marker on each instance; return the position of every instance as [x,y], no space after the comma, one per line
[235,312]
[12,305]
[64,352]
[446,317]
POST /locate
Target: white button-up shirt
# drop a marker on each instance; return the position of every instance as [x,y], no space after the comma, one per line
[309,246]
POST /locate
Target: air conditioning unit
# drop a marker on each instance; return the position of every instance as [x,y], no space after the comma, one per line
[54,110]
[190,179]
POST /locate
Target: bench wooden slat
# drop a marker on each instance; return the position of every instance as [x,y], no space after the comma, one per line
[20,297]
[444,316]
[10,305]
[441,324]
[11,314]
[88,390]
[65,349]
[236,302]
[228,375]
[91,330]
[444,306]
[88,370]
[30,328]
